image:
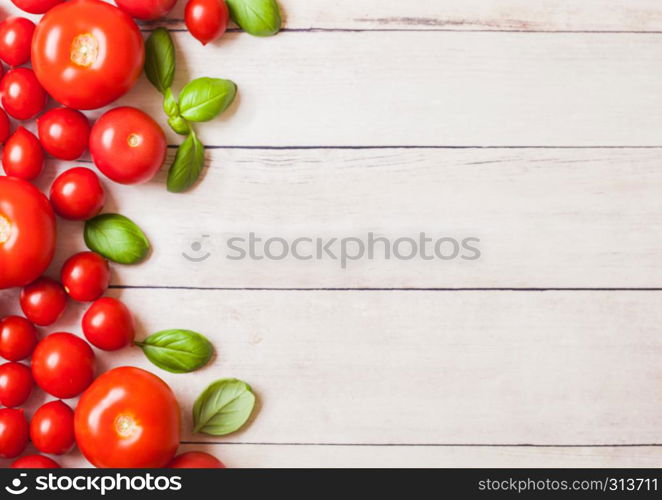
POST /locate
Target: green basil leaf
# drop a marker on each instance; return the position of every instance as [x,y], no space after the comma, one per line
[257,17]
[179,125]
[224,407]
[170,103]
[160,59]
[177,351]
[203,99]
[117,238]
[187,166]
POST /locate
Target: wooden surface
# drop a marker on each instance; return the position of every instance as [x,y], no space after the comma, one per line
[533,125]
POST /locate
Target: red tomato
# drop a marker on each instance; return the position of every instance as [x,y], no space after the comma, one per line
[108,324]
[13,432]
[23,97]
[207,20]
[18,338]
[127,145]
[146,10]
[15,384]
[34,462]
[27,232]
[64,133]
[43,301]
[63,365]
[36,6]
[87,53]
[128,418]
[196,460]
[77,194]
[85,276]
[22,155]
[5,126]
[15,39]
[52,428]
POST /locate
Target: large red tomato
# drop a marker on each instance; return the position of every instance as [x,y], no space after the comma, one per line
[87,53]
[27,232]
[128,418]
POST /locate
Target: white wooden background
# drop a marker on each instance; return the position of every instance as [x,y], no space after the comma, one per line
[535,125]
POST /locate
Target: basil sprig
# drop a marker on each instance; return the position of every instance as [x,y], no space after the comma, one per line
[201,100]
[224,407]
[117,238]
[177,351]
[257,17]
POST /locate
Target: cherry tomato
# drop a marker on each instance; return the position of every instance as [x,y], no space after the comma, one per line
[27,232]
[13,432]
[128,418]
[36,6]
[15,39]
[87,53]
[207,20]
[43,301]
[18,338]
[22,155]
[85,276]
[52,428]
[34,462]
[5,126]
[108,324]
[146,10]
[127,145]
[64,133]
[23,97]
[77,194]
[63,365]
[15,384]
[195,460]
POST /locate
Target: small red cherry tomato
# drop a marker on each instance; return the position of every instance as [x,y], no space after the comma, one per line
[23,97]
[15,40]
[5,126]
[127,145]
[77,194]
[207,20]
[195,460]
[43,301]
[64,133]
[36,6]
[63,365]
[18,338]
[85,276]
[108,324]
[146,10]
[15,384]
[52,428]
[22,155]
[34,462]
[13,432]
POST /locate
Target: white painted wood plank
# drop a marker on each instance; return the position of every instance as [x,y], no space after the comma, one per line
[419,367]
[619,15]
[545,218]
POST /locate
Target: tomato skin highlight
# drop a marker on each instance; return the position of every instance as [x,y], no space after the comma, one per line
[43,301]
[27,232]
[64,133]
[146,10]
[195,460]
[63,365]
[207,20]
[127,145]
[36,6]
[77,194]
[34,462]
[15,39]
[85,276]
[52,428]
[87,53]
[23,97]
[22,155]
[128,418]
[18,338]
[13,432]
[15,384]
[108,324]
